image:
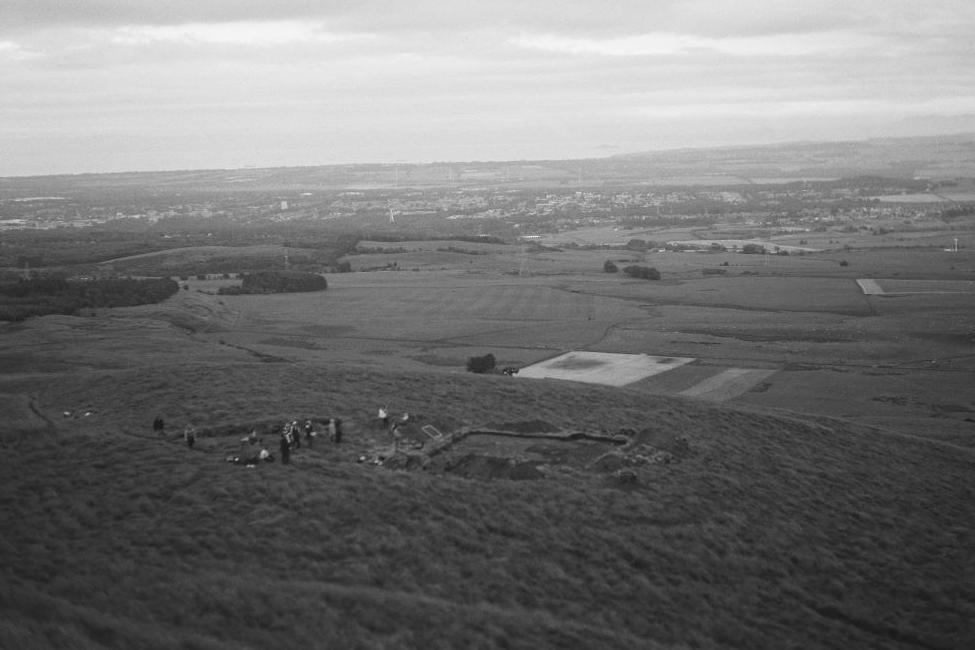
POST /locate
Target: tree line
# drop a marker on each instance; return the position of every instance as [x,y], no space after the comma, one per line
[277,282]
[55,294]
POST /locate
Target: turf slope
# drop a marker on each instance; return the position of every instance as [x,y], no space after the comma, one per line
[774,531]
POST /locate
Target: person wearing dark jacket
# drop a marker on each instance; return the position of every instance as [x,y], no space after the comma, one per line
[285,450]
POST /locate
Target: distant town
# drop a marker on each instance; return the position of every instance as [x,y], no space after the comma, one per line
[797,205]
[786,199]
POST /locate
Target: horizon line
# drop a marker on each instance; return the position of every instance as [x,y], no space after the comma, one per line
[724,147]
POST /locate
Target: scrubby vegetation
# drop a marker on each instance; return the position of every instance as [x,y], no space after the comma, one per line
[55,294]
[642,272]
[278,282]
[482,364]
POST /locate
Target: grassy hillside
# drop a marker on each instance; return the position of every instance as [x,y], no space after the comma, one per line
[716,526]
[770,531]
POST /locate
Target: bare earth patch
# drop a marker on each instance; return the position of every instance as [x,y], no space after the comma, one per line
[607,368]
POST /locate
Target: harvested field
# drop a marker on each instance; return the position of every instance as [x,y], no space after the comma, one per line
[752,292]
[897,286]
[870,287]
[893,286]
[728,384]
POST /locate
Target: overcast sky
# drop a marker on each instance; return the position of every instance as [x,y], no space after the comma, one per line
[118,85]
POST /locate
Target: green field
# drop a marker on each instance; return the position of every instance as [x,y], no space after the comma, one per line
[829,505]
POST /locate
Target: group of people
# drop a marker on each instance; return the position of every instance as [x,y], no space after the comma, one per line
[292,433]
[392,427]
[291,436]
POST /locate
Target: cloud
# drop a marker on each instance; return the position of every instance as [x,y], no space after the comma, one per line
[42,14]
[12,51]
[671,44]
[267,33]
[381,78]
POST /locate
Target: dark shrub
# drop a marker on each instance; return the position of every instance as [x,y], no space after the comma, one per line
[643,272]
[282,282]
[481,364]
[609,267]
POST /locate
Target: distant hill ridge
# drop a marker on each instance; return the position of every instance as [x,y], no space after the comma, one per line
[945,156]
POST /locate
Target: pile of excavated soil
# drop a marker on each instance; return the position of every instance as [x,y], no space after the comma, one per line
[633,457]
[677,444]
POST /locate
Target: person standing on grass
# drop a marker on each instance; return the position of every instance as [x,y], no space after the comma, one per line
[337,431]
[289,435]
[159,426]
[285,448]
[189,435]
[396,436]
[384,416]
[295,435]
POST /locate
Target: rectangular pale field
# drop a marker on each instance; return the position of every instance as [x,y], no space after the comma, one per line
[607,368]
[728,383]
[901,287]
[870,287]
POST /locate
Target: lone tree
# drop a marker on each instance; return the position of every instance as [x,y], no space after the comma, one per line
[481,364]
[609,267]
